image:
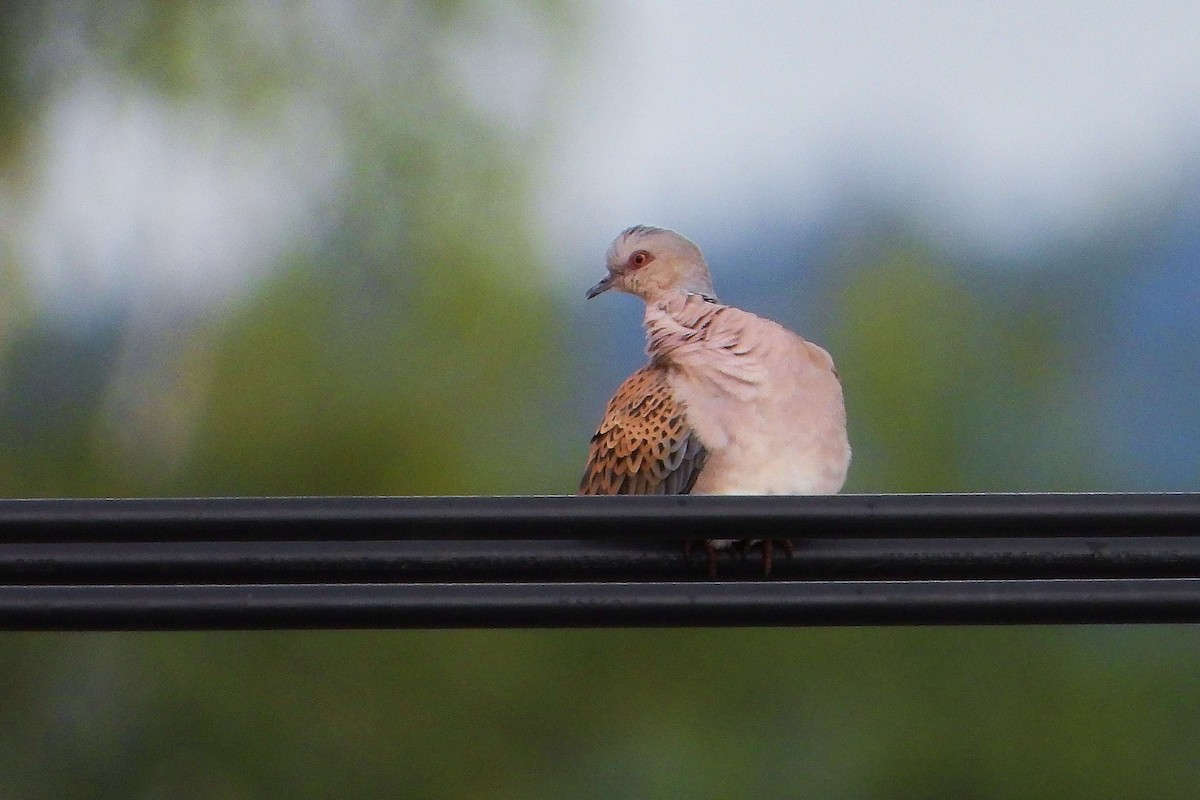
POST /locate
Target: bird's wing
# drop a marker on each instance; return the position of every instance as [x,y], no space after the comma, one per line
[644,444]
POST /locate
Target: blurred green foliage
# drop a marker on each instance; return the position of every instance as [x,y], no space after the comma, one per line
[840,713]
[415,351]
[952,384]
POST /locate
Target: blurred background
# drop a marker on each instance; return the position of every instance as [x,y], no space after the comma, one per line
[333,248]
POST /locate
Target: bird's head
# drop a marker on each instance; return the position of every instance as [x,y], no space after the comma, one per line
[653,262]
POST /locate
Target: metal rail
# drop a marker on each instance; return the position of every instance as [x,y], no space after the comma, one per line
[596,561]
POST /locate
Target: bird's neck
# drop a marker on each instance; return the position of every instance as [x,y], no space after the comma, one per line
[678,295]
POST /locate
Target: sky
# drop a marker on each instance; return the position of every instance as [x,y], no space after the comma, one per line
[997,126]
[166,206]
[994,128]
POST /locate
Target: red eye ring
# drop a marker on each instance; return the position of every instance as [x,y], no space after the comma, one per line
[639,259]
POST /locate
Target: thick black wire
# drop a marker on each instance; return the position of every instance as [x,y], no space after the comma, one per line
[552,561]
[633,518]
[588,604]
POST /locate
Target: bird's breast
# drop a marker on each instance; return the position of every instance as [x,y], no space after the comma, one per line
[787,436]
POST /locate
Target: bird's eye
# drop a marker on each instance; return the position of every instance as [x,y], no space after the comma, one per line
[640,259]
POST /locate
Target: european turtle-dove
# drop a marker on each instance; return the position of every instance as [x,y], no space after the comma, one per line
[730,403]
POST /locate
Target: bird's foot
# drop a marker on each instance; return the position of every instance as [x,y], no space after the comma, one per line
[768,550]
[710,550]
[711,547]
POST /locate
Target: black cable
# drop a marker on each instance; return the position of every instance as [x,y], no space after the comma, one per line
[635,518]
[588,604]
[549,561]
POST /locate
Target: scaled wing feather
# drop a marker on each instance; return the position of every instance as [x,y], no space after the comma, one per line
[644,444]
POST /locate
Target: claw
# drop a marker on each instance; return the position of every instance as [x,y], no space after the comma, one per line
[768,546]
[710,550]
[742,545]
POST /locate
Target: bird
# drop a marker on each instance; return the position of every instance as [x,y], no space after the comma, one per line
[730,403]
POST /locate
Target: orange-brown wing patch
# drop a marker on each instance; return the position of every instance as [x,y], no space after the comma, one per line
[644,444]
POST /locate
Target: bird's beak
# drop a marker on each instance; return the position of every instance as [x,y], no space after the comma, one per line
[600,288]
